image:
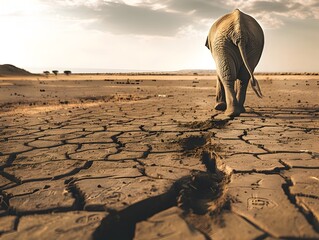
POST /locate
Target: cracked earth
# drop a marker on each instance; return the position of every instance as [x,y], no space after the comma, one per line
[150,159]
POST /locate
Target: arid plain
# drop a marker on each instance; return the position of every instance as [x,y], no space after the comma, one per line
[145,156]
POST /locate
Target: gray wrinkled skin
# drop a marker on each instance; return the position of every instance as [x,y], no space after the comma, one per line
[236,41]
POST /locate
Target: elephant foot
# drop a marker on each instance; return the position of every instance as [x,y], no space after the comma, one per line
[232,113]
[221,106]
[242,109]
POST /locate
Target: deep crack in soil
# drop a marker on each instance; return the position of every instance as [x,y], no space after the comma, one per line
[199,194]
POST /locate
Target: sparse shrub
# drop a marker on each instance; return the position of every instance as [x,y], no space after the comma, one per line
[67,72]
[46,73]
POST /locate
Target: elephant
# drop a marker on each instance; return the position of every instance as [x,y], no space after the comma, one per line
[236,42]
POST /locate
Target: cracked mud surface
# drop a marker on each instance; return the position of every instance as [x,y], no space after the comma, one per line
[152,160]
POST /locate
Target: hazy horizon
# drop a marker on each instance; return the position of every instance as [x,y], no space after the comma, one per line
[150,35]
[106,70]
[102,70]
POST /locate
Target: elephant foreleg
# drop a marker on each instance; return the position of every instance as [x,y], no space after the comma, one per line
[220,95]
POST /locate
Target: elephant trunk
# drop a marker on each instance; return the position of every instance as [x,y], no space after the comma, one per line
[253,81]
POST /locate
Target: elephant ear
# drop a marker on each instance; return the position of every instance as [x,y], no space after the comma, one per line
[207,43]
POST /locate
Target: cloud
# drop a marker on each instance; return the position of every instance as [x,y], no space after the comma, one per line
[282,8]
[173,17]
[121,18]
[275,13]
[199,8]
[268,6]
[141,17]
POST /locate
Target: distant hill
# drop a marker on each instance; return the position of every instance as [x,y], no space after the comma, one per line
[10,70]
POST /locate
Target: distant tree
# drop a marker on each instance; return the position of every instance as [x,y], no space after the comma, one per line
[46,73]
[67,72]
[55,72]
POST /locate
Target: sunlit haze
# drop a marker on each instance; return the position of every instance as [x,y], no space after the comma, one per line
[155,35]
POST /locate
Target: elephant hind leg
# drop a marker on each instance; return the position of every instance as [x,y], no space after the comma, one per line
[241,88]
[227,74]
[220,96]
[232,109]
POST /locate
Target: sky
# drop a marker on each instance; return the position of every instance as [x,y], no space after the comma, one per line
[157,35]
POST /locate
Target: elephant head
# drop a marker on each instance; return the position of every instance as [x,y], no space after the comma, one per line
[236,42]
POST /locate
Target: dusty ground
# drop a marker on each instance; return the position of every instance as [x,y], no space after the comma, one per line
[122,157]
